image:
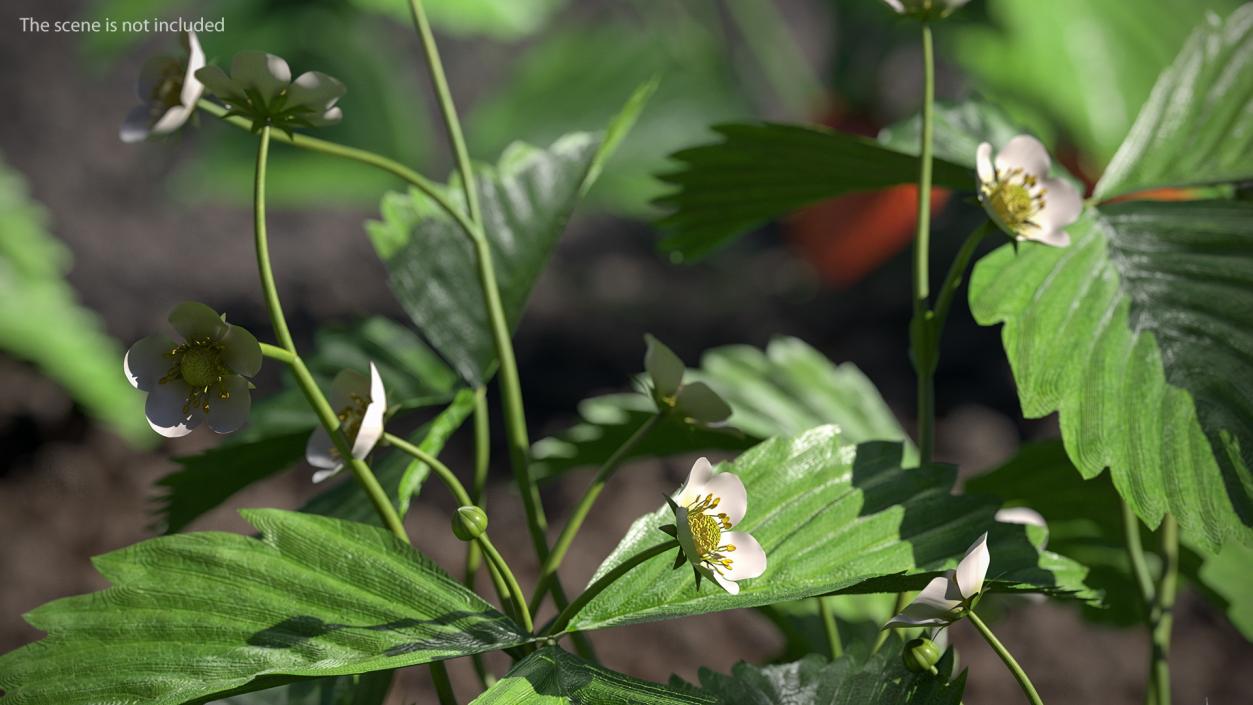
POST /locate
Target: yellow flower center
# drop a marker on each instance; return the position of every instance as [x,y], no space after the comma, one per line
[1014,198]
[706,530]
[198,363]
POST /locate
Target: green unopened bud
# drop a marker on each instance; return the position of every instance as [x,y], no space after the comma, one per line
[920,655]
[469,523]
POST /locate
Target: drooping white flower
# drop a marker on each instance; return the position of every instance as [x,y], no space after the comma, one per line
[1018,194]
[705,510]
[694,401]
[360,403]
[168,91]
[925,8]
[204,378]
[945,599]
[260,88]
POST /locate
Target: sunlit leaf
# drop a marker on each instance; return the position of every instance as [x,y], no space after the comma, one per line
[832,516]
[196,615]
[551,676]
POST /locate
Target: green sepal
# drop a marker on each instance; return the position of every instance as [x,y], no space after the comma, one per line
[670,529]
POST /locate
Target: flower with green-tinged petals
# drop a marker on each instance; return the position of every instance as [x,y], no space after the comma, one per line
[260,88]
[705,509]
[204,378]
[360,403]
[168,91]
[693,401]
[926,9]
[1020,197]
[946,599]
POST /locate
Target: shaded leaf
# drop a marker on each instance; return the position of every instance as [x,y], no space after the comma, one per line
[526,200]
[551,676]
[831,517]
[195,615]
[1135,335]
[1197,126]
[761,171]
[957,131]
[366,689]
[880,680]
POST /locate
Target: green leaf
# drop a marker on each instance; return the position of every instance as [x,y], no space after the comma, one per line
[551,676]
[526,200]
[858,619]
[1197,126]
[957,131]
[1030,59]
[831,517]
[42,321]
[412,373]
[366,689]
[761,171]
[400,474]
[1134,334]
[197,615]
[781,391]
[880,680]
[1085,524]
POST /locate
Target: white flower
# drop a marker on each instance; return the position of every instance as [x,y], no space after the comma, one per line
[260,87]
[694,401]
[1019,196]
[925,8]
[945,599]
[168,91]
[360,404]
[204,378]
[705,509]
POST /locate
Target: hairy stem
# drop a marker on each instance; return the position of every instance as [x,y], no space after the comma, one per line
[569,613]
[326,415]
[1162,615]
[515,590]
[921,340]
[1020,675]
[482,461]
[445,474]
[953,280]
[830,627]
[548,572]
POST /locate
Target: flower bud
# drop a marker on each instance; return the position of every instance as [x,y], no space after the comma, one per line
[920,655]
[469,523]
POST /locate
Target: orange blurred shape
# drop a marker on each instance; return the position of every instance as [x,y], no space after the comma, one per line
[847,238]
[1158,194]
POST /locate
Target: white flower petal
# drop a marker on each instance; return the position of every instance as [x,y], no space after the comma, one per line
[192,88]
[700,475]
[983,164]
[319,451]
[164,410]
[241,352]
[372,424]
[323,475]
[684,536]
[733,498]
[973,568]
[145,363]
[698,401]
[895,5]
[726,584]
[264,73]
[1024,152]
[137,125]
[932,607]
[221,85]
[229,414]
[1062,205]
[749,558]
[155,71]
[172,119]
[194,320]
[347,385]
[1020,515]
[314,90]
[332,116]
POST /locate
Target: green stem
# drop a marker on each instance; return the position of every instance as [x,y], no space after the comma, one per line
[326,415]
[563,620]
[445,474]
[1162,616]
[515,590]
[482,461]
[443,686]
[274,352]
[953,280]
[1014,668]
[922,340]
[426,186]
[832,629]
[1135,552]
[549,571]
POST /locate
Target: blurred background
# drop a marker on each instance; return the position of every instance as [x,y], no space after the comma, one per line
[98,240]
